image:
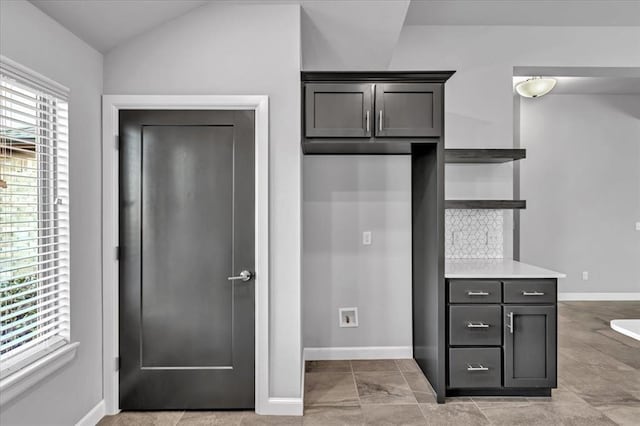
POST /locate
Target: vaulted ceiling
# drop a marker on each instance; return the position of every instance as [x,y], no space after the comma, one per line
[104,24]
[364,31]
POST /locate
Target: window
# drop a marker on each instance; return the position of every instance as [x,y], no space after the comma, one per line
[34,217]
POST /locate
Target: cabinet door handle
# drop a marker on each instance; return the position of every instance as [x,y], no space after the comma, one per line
[480,367]
[532,293]
[477,325]
[367,120]
[510,325]
[380,120]
[477,293]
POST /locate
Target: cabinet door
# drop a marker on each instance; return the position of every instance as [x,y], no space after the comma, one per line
[408,110]
[338,110]
[530,346]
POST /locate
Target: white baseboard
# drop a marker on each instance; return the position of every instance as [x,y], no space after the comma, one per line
[597,296]
[283,407]
[93,416]
[358,352]
[304,359]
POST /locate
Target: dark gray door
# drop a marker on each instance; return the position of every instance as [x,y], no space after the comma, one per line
[338,110]
[530,343]
[408,110]
[186,225]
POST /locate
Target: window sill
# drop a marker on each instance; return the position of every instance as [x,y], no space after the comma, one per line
[23,379]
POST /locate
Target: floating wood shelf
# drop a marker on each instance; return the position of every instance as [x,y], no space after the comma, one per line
[485,204]
[464,156]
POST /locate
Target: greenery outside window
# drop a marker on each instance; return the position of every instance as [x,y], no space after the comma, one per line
[34,218]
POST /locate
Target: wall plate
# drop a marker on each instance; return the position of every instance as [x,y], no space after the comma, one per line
[348,317]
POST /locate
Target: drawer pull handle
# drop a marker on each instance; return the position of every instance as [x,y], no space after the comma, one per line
[477,293]
[510,325]
[480,367]
[532,293]
[477,325]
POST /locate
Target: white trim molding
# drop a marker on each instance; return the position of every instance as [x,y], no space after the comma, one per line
[358,352]
[575,297]
[111,104]
[285,407]
[23,379]
[93,416]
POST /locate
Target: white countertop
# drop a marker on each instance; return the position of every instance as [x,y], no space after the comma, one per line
[628,327]
[495,268]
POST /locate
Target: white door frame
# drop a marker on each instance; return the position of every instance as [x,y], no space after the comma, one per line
[111,104]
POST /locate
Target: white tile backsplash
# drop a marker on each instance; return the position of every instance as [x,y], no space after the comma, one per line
[474,234]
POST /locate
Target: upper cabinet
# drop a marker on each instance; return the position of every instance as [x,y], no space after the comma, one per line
[408,110]
[371,113]
[338,110]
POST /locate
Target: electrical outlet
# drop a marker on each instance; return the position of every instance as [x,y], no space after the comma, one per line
[637,226]
[348,317]
[585,275]
[366,238]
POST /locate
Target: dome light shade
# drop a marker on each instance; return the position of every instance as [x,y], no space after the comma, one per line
[535,87]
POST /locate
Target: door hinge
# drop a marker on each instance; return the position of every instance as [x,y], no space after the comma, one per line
[117,252]
[118,363]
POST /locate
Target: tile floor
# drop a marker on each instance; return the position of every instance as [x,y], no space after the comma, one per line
[599,384]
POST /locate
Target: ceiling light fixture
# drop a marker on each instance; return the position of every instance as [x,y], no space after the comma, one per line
[535,87]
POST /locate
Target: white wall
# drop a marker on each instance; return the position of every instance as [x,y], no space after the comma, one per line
[225,48]
[478,114]
[582,182]
[344,196]
[479,96]
[33,39]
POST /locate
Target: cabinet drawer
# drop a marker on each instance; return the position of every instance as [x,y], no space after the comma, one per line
[475,368]
[530,291]
[475,325]
[474,291]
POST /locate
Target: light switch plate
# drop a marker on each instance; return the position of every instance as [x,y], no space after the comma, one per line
[366,238]
[637,226]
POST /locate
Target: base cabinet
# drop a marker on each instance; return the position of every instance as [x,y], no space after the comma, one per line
[530,347]
[501,337]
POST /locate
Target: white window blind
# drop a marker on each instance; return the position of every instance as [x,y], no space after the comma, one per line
[34,217]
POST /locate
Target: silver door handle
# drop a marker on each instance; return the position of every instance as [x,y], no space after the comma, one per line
[244,276]
[477,325]
[480,367]
[380,120]
[367,119]
[532,293]
[510,325]
[477,293]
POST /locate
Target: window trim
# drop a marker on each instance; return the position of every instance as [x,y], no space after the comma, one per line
[33,366]
[30,375]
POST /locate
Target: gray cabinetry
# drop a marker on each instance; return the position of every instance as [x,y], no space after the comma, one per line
[472,291]
[408,110]
[372,113]
[501,337]
[475,325]
[338,110]
[530,346]
[475,367]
